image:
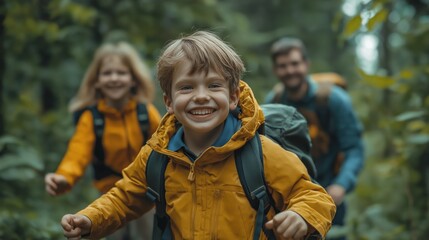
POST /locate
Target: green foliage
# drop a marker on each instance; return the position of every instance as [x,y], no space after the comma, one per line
[376,80]
[390,201]
[16,227]
[352,25]
[48,45]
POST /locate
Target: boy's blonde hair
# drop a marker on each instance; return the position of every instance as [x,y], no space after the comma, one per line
[88,94]
[206,51]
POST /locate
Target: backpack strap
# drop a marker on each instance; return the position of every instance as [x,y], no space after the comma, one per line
[278,90]
[322,93]
[155,170]
[100,169]
[249,163]
[98,120]
[251,177]
[143,118]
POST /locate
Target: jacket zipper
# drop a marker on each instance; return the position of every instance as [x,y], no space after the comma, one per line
[214,221]
[191,177]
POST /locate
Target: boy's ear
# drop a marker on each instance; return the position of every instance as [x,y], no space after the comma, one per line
[234,97]
[168,104]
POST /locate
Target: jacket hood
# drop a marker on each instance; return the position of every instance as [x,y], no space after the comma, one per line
[251,117]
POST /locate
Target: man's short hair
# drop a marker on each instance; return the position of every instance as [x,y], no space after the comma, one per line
[285,45]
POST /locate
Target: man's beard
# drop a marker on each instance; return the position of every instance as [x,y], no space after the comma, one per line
[293,88]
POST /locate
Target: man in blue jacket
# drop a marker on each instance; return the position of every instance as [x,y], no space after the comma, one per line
[337,148]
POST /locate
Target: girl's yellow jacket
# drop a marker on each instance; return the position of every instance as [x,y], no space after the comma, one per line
[122,140]
[205,199]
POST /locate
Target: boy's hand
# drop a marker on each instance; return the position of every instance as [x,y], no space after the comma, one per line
[288,225]
[75,226]
[56,184]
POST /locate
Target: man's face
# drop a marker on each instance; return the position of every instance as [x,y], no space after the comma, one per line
[291,69]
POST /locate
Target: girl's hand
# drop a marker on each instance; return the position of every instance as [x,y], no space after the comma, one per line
[288,225]
[56,184]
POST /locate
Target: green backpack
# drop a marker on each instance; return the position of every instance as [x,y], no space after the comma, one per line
[283,124]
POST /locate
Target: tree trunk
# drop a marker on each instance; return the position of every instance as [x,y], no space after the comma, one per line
[386,65]
[2,66]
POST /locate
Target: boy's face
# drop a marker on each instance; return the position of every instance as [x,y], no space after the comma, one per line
[201,102]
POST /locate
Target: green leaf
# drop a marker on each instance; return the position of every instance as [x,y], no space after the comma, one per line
[376,80]
[21,174]
[379,17]
[409,115]
[8,140]
[416,125]
[352,25]
[418,139]
[406,74]
[22,159]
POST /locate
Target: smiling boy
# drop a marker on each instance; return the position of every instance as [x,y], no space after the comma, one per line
[200,77]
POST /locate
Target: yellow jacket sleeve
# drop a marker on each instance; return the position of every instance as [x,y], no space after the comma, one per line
[79,151]
[293,190]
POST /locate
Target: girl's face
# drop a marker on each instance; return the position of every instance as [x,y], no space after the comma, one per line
[115,81]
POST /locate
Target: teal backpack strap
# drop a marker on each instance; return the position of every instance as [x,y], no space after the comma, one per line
[155,169]
[98,119]
[100,169]
[249,163]
[143,118]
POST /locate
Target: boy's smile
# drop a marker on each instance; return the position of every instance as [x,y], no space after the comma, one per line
[201,102]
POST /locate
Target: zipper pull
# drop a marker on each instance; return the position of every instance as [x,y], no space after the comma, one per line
[191,176]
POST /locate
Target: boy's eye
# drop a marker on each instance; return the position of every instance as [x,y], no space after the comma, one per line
[185,88]
[215,85]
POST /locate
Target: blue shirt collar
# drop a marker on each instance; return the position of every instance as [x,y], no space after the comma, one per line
[230,127]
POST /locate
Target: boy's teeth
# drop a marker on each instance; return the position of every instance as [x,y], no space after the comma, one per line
[201,111]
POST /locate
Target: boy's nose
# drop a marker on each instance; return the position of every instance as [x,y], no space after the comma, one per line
[201,95]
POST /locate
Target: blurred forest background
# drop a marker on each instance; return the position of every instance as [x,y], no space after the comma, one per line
[381,47]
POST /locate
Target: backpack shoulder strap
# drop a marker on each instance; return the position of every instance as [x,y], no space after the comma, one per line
[100,169]
[97,116]
[322,93]
[98,119]
[143,118]
[155,170]
[249,163]
[77,114]
[278,90]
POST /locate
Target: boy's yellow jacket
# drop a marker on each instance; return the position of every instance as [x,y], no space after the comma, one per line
[205,199]
[122,140]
